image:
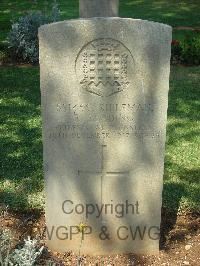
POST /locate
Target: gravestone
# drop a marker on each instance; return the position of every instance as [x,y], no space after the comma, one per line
[98,8]
[104,88]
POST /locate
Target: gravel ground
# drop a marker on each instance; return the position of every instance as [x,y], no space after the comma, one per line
[179,245]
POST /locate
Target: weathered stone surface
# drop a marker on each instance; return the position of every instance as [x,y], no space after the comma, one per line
[98,8]
[104,86]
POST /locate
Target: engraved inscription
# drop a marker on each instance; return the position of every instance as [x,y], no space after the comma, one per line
[103,67]
[99,131]
[111,120]
[109,112]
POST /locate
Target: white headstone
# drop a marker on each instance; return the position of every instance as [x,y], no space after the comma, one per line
[104,86]
[98,8]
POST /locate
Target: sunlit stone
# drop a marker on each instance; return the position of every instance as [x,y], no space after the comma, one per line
[104,86]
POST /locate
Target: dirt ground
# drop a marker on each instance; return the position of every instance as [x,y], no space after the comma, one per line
[179,244]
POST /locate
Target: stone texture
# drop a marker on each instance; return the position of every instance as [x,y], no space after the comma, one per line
[104,87]
[98,8]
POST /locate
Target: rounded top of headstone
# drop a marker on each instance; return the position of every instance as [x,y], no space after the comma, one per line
[129,22]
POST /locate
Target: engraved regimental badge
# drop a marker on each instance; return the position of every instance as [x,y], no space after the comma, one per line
[103,67]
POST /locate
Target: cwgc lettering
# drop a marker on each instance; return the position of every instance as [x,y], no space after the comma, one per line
[119,210]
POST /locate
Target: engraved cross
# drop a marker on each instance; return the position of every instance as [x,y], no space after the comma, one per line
[102,171]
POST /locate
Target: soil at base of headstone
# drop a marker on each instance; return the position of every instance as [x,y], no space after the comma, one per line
[179,245]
